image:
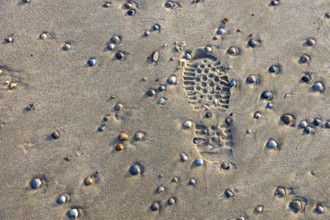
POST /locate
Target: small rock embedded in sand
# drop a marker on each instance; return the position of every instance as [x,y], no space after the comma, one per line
[253,43]
[199,162]
[234,51]
[304,58]
[106,4]
[55,135]
[62,199]
[257,115]
[9,40]
[139,135]
[160,189]
[295,205]
[120,55]
[111,46]
[187,124]
[306,78]
[327,15]
[232,83]
[259,209]
[101,128]
[172,80]
[73,213]
[252,79]
[171,201]
[287,119]
[12,85]
[318,86]
[229,193]
[119,147]
[155,206]
[66,46]
[208,49]
[161,100]
[118,107]
[192,181]
[271,144]
[175,179]
[123,136]
[274,69]
[151,92]
[116,39]
[162,88]
[187,56]
[327,124]
[155,56]
[280,192]
[146,33]
[36,183]
[309,130]
[303,124]
[267,95]
[91,62]
[275,2]
[169,4]
[183,157]
[156,27]
[135,169]
[310,42]
[89,180]
[319,209]
[131,12]
[221,31]
[317,121]
[30,107]
[43,36]
[225,166]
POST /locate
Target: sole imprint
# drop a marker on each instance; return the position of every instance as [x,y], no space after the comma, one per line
[207,89]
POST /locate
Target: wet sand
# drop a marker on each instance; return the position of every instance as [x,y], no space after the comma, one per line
[62,113]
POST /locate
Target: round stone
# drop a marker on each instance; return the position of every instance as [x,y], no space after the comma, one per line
[131,12]
[106,118]
[295,205]
[62,199]
[26,1]
[139,135]
[271,144]
[225,166]
[146,33]
[192,181]
[274,69]
[317,121]
[253,43]
[91,62]
[259,209]
[240,218]
[318,86]
[123,136]
[280,192]
[155,206]
[118,107]
[257,115]
[327,124]
[162,88]
[232,83]
[36,183]
[171,201]
[172,80]
[268,95]
[151,92]
[309,130]
[304,58]
[252,79]
[319,209]
[30,107]
[275,2]
[175,179]
[221,31]
[234,51]
[120,55]
[119,147]
[287,119]
[135,169]
[327,15]
[115,39]
[187,124]
[73,213]
[55,135]
[269,105]
[101,128]
[208,115]
[43,36]
[310,42]
[183,157]
[229,193]
[187,56]
[67,46]
[306,78]
[208,49]
[199,162]
[303,124]
[161,101]
[160,189]
[89,181]
[156,27]
[111,46]
[107,4]
[9,40]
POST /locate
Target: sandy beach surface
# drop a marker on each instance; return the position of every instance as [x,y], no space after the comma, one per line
[145,109]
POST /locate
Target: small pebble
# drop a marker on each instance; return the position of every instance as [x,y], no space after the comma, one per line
[274,69]
[221,31]
[208,115]
[161,101]
[187,124]
[199,162]
[156,27]
[318,86]
[169,4]
[253,43]
[89,181]
[135,169]
[30,107]
[183,157]
[115,39]
[36,183]
[155,206]
[9,40]
[269,105]
[123,136]
[155,56]
[187,56]
[309,130]
[162,88]
[151,92]
[234,51]
[225,166]
[252,79]
[319,209]
[327,15]
[146,33]
[232,83]
[275,2]
[303,124]
[120,55]
[128,5]
[119,147]
[327,124]
[91,62]
[175,179]
[12,85]
[304,59]
[257,115]
[310,42]
[160,189]
[73,213]
[101,128]
[107,4]
[139,135]
[267,95]
[295,205]
[208,49]
[67,46]
[317,121]
[287,119]
[111,46]
[259,209]
[43,36]
[271,144]
[240,218]
[118,107]
[62,199]
[192,181]
[171,201]
[306,78]
[172,80]
[280,192]
[55,135]
[26,1]
[229,193]
[131,12]
[106,118]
